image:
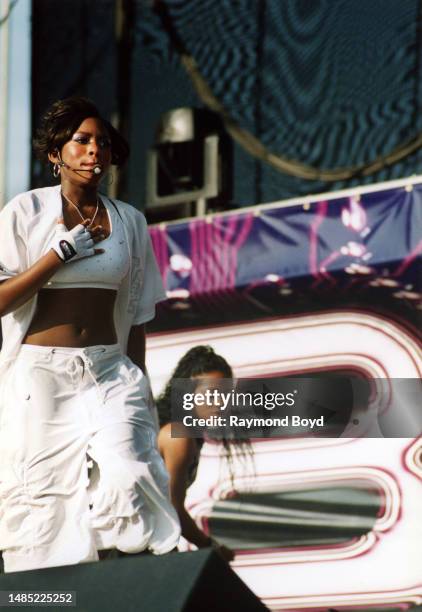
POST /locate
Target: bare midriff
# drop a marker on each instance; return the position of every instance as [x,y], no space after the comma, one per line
[77,318]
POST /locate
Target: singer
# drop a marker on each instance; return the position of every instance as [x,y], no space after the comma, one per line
[78,281]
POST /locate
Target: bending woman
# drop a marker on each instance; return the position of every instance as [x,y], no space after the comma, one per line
[181,454]
[72,381]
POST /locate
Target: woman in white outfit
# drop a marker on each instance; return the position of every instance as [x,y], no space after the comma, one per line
[78,283]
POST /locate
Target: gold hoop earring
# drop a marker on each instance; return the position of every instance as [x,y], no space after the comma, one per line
[56,170]
[110,182]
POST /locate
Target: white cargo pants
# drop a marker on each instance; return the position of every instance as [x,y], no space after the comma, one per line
[60,406]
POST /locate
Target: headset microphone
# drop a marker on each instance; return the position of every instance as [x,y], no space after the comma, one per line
[95,170]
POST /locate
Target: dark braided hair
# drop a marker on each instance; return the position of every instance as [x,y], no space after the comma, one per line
[62,120]
[200,360]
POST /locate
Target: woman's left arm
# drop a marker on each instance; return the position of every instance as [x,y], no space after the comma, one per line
[136,346]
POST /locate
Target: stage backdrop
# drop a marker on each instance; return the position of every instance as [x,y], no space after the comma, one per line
[320,285]
[327,84]
[355,249]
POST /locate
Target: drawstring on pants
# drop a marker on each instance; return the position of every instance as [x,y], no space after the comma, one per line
[82,361]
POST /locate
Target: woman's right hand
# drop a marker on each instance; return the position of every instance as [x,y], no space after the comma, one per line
[70,245]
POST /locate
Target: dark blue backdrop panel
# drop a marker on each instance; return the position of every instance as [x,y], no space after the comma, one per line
[330,84]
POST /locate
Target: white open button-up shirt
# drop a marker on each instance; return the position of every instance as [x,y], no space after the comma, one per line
[27,225]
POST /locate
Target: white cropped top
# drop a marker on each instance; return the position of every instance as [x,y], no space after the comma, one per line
[102,271]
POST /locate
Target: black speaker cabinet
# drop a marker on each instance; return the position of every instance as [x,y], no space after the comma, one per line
[178,582]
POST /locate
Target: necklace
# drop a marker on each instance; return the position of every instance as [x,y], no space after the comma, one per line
[79,212]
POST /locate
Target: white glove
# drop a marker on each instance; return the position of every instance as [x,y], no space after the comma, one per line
[72,244]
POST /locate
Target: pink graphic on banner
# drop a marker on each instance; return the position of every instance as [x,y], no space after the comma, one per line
[354,216]
[160,245]
[214,252]
[315,270]
[409,259]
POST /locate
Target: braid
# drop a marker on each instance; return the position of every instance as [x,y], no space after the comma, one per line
[201,360]
[198,360]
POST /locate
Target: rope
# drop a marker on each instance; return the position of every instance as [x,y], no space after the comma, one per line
[253,145]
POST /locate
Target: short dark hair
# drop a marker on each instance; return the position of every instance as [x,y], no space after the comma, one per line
[62,120]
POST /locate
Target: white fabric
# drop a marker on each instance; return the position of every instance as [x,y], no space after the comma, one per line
[104,271]
[63,404]
[27,226]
